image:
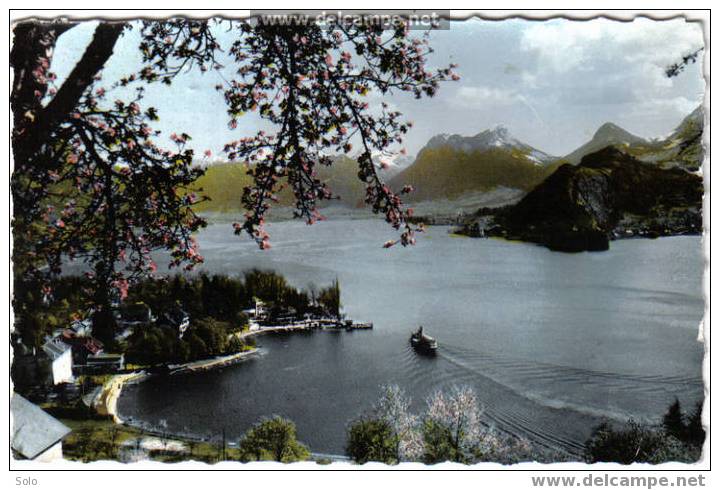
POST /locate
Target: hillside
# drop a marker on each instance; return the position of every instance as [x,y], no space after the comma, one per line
[608,134]
[450,166]
[682,148]
[448,173]
[583,207]
[224,183]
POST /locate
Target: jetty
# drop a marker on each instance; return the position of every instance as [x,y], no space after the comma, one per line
[258,328]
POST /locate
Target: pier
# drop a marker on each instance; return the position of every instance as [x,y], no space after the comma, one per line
[257,328]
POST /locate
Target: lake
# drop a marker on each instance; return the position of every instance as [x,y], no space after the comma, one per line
[551,342]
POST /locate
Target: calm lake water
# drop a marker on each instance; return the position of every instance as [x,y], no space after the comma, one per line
[551,342]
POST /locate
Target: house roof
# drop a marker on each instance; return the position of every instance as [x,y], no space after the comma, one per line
[134,312]
[85,325]
[90,344]
[174,317]
[107,356]
[55,348]
[34,430]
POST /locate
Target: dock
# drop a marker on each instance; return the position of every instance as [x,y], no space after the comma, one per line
[258,328]
[316,323]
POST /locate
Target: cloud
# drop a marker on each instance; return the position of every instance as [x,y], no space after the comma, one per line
[612,70]
[481,96]
[565,45]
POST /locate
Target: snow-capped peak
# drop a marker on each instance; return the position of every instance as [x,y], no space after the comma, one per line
[499,137]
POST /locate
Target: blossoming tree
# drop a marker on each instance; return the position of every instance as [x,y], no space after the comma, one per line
[90,182]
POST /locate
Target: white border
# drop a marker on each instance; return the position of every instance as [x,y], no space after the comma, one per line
[355,479]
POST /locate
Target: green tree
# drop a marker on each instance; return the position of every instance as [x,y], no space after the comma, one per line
[674,421]
[636,443]
[695,430]
[198,349]
[439,445]
[273,440]
[388,431]
[371,439]
[452,430]
[330,298]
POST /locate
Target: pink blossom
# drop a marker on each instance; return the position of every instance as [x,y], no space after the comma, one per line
[122,287]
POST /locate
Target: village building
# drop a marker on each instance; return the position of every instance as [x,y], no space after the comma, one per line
[82,347]
[82,328]
[105,363]
[133,315]
[175,319]
[128,317]
[59,355]
[35,434]
[27,369]
[260,312]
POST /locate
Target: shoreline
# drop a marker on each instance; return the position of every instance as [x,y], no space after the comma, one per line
[105,403]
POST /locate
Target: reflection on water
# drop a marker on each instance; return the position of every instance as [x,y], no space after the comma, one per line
[551,342]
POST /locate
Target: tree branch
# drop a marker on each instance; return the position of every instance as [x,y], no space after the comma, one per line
[82,76]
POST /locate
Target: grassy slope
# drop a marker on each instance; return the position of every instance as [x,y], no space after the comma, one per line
[447,173]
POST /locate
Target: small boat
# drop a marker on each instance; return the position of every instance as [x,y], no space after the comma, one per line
[422,342]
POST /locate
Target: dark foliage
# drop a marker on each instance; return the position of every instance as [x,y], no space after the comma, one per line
[372,439]
[582,207]
[678,438]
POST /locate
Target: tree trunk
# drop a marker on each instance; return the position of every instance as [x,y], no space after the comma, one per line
[33,41]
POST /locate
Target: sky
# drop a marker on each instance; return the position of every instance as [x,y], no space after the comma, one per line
[551,83]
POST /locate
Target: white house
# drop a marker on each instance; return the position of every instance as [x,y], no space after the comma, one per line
[60,356]
[177,319]
[35,434]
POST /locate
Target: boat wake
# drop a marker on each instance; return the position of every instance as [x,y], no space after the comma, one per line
[514,390]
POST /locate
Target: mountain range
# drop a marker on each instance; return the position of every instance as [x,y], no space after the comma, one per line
[450,167]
